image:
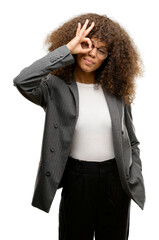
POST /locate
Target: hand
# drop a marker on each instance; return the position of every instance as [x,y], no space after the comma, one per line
[75,44]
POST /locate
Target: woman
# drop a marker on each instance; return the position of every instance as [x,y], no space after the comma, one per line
[86,86]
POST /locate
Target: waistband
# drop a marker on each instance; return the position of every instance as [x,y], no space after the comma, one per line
[92,166]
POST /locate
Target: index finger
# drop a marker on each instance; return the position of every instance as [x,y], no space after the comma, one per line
[89,29]
[84,27]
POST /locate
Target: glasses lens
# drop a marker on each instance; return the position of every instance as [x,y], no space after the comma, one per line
[102,53]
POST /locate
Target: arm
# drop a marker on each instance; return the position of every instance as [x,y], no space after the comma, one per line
[32,82]
[133,139]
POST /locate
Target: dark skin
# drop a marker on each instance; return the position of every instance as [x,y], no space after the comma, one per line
[87,61]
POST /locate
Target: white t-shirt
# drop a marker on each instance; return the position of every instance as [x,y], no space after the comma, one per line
[92,140]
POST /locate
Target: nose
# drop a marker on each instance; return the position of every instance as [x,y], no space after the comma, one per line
[93,52]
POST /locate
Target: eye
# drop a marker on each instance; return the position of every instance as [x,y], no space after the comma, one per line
[84,45]
[102,51]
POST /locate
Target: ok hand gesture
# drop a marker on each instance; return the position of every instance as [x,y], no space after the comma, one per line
[75,44]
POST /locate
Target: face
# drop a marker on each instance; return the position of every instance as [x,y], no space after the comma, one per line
[91,61]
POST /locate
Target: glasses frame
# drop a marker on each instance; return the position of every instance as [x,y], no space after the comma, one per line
[98,52]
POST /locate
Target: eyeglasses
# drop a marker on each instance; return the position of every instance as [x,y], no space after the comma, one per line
[101,53]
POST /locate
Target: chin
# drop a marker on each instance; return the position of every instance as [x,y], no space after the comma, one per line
[86,69]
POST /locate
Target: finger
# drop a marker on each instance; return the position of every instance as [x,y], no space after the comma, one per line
[89,29]
[89,45]
[84,27]
[78,29]
[86,50]
[88,41]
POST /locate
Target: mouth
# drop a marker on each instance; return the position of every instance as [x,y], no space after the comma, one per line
[88,61]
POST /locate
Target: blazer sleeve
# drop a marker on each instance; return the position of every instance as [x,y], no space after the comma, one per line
[132,136]
[33,81]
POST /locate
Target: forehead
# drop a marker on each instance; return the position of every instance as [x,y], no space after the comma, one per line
[99,42]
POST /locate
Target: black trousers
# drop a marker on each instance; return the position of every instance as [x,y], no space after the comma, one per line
[93,202]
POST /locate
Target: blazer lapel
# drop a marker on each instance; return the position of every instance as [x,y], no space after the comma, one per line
[74,89]
[115,106]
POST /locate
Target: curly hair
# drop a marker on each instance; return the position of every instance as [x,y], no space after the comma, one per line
[119,69]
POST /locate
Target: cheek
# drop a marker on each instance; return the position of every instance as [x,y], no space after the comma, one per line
[79,58]
[98,64]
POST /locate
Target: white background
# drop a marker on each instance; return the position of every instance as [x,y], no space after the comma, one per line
[24,26]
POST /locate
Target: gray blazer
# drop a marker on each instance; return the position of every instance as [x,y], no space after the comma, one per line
[60,101]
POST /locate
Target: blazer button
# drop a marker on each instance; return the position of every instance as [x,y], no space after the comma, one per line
[52,149]
[122,132]
[52,60]
[127,176]
[47,174]
[55,125]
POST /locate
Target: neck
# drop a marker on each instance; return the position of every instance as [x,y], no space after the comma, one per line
[83,77]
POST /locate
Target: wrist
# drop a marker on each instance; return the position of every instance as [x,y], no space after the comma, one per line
[68,46]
